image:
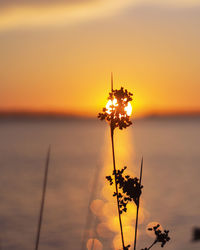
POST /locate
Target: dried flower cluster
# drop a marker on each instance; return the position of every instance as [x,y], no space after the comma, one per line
[130,187]
[117,115]
[161,237]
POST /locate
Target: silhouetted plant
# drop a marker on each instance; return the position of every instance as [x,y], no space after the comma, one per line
[161,237]
[127,247]
[40,219]
[196,234]
[116,113]
[130,187]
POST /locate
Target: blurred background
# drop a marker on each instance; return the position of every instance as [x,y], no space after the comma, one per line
[56,60]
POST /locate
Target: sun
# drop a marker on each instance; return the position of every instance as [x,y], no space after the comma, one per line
[111,104]
[128,109]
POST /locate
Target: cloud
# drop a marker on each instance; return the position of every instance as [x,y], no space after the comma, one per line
[8,3]
[39,2]
[37,13]
[62,13]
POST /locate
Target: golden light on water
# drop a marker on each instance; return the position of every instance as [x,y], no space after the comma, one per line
[96,207]
[112,104]
[123,151]
[94,244]
[106,208]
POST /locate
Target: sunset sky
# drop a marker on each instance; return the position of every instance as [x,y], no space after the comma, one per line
[58,55]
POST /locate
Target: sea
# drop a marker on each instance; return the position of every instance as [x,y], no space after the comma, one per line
[79,210]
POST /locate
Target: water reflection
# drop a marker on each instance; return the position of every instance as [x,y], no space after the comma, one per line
[106,209]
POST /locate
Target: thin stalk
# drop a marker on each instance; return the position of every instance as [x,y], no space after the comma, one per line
[111,82]
[43,199]
[138,206]
[89,218]
[92,247]
[152,245]
[116,187]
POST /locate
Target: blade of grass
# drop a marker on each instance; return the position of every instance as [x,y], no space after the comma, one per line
[90,217]
[137,213]
[43,199]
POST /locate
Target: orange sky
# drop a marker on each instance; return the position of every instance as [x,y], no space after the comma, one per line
[59,58]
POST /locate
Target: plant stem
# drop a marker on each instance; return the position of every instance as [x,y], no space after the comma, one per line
[152,244]
[116,187]
[138,206]
[43,199]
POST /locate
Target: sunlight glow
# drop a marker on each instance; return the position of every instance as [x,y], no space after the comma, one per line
[109,215]
[111,104]
[94,244]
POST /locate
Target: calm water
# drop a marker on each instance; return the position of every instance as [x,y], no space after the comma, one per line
[171,151]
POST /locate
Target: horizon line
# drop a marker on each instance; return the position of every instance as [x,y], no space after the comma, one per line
[89,115]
